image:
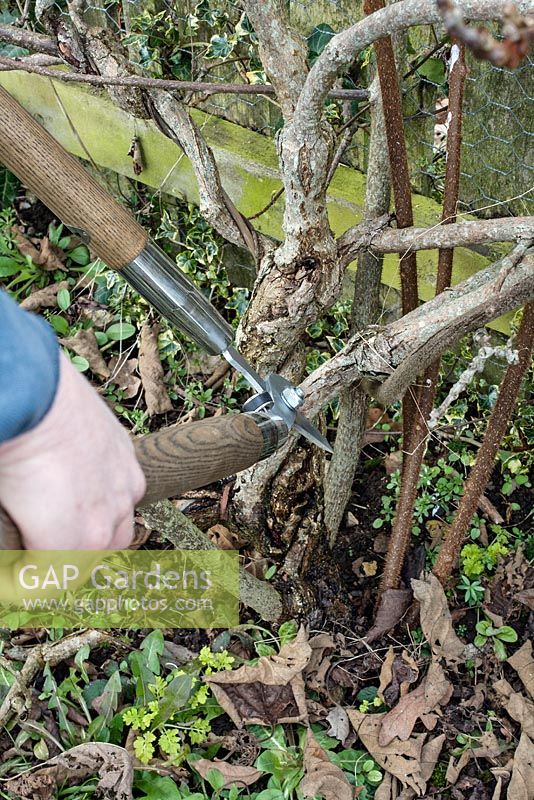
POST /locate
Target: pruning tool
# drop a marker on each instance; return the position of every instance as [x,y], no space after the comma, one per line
[186,456]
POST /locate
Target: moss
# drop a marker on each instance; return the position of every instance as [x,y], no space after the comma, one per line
[247,162]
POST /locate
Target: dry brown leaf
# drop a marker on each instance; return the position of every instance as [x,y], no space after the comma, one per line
[84,344]
[526,597]
[523,663]
[522,782]
[434,691]
[270,692]
[339,723]
[319,663]
[321,777]
[43,298]
[233,774]
[401,759]
[123,374]
[396,675]
[156,398]
[113,765]
[520,708]
[393,605]
[52,257]
[436,620]
[393,462]
[223,538]
[487,747]
[386,672]
[41,251]
[429,758]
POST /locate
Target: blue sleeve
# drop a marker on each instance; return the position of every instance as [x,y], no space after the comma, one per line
[29,368]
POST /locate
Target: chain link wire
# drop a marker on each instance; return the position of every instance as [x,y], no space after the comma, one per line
[212,41]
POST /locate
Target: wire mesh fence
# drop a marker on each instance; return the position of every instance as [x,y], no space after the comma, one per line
[212,40]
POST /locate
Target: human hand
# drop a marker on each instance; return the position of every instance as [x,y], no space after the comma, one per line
[72,482]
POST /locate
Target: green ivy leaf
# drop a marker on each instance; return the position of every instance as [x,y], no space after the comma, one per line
[215,779]
[318,39]
[220,47]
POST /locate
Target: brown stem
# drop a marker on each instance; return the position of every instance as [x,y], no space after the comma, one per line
[400,180]
[414,451]
[497,427]
[161,83]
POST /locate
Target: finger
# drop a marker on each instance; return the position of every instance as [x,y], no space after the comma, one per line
[124,534]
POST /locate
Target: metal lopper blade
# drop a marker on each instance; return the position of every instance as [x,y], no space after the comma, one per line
[277,398]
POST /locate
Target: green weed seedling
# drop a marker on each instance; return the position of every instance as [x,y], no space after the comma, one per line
[487,632]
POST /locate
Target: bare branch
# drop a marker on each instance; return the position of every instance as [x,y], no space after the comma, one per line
[138,81]
[282,51]
[31,41]
[416,340]
[519,33]
[459,234]
[342,49]
[215,205]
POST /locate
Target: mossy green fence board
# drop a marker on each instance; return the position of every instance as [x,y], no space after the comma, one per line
[87,124]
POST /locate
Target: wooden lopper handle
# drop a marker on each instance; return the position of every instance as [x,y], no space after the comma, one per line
[66,187]
[184,457]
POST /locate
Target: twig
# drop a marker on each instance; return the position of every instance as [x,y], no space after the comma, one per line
[28,39]
[162,83]
[276,196]
[496,429]
[16,701]
[476,365]
[518,31]
[184,535]
[442,235]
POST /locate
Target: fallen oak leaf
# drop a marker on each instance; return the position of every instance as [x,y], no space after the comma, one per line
[270,692]
[434,691]
[41,251]
[522,782]
[518,707]
[112,763]
[339,723]
[233,774]
[526,598]
[436,620]
[43,298]
[84,344]
[523,663]
[396,675]
[392,606]
[319,663]
[400,759]
[323,778]
[122,374]
[151,372]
